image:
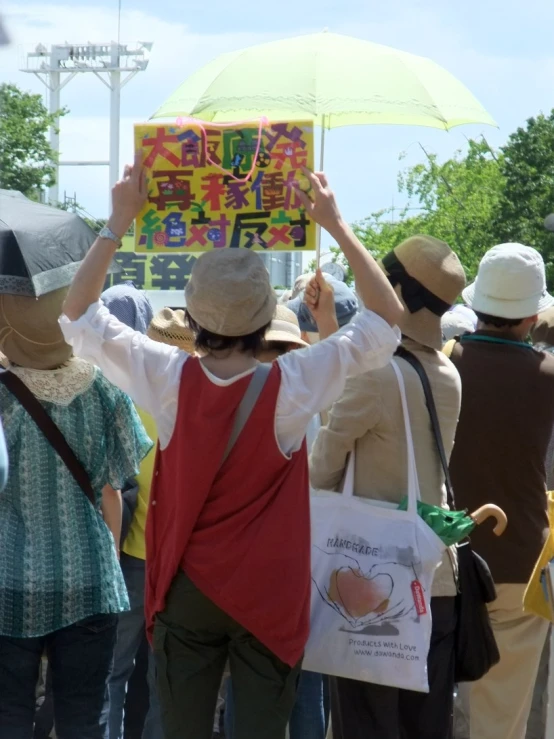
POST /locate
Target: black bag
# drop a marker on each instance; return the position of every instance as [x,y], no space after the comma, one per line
[476,650]
[129,499]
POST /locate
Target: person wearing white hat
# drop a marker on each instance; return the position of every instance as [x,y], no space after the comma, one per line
[500,456]
[223,581]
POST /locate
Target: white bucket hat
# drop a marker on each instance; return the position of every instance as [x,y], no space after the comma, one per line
[511,283]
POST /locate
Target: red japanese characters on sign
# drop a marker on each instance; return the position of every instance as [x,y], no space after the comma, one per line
[224,187]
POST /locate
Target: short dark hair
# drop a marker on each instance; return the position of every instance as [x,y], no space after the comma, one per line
[282,347]
[498,322]
[208,342]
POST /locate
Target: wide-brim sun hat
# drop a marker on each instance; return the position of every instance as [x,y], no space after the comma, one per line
[511,283]
[171,327]
[458,321]
[128,305]
[284,328]
[229,293]
[30,335]
[346,306]
[428,278]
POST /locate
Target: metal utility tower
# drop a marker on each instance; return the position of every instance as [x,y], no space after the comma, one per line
[107,62]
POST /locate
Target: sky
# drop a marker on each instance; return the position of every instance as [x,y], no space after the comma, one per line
[502,51]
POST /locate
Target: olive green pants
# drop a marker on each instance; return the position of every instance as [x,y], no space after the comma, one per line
[193,639]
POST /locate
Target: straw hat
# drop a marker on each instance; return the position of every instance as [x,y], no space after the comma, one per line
[511,283]
[428,278]
[30,335]
[171,327]
[285,328]
[229,293]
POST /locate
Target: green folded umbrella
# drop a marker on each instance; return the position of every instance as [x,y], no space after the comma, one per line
[450,526]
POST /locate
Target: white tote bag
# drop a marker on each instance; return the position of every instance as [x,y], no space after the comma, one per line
[372,571]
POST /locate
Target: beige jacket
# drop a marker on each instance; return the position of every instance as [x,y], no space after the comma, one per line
[369,418]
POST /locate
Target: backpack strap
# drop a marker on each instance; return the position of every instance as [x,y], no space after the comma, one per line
[51,432]
[249,400]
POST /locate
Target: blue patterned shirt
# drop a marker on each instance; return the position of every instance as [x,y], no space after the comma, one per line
[58,563]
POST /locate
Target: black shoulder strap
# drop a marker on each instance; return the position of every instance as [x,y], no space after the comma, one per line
[429,399]
[51,432]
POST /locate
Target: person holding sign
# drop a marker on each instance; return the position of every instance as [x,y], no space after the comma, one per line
[228,532]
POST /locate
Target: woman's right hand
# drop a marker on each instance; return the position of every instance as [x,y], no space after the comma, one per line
[129,195]
[322,208]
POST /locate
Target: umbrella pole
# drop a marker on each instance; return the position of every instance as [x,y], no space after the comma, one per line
[321,165]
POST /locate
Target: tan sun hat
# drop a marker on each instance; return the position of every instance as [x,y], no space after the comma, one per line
[428,278]
[285,328]
[171,327]
[229,293]
[30,335]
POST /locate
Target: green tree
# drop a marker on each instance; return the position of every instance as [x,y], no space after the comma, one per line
[527,167]
[460,199]
[26,157]
[456,201]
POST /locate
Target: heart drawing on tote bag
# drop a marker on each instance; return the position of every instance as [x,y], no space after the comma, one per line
[372,571]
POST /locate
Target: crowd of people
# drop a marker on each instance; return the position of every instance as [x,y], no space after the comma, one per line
[160,567]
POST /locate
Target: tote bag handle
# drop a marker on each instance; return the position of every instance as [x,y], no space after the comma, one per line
[413,482]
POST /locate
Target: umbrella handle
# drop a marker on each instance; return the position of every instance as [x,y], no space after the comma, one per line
[488,511]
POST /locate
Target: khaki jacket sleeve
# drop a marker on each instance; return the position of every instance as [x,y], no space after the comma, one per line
[351,417]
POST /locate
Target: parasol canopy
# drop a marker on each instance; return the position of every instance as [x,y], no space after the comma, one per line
[40,247]
[330,79]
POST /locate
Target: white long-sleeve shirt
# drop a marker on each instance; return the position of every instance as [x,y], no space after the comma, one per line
[150,372]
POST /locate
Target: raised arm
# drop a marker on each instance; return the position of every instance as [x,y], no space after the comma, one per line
[371,282]
[128,197]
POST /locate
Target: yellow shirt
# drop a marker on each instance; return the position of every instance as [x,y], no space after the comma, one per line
[135,545]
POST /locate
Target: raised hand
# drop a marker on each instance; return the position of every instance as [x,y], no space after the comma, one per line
[322,208]
[129,195]
[319,296]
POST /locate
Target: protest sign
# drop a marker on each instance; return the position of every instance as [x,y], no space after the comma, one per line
[151,271]
[224,186]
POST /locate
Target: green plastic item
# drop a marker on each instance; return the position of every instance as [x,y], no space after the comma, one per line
[451,526]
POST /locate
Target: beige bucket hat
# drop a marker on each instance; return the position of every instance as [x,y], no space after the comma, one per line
[285,328]
[30,335]
[171,327]
[428,278]
[229,293]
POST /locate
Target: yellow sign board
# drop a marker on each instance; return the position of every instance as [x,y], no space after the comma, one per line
[229,186]
[151,271]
